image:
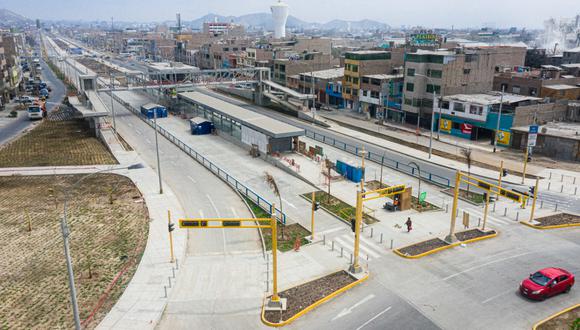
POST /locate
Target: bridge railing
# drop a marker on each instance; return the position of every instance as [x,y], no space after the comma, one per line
[379,159]
[219,172]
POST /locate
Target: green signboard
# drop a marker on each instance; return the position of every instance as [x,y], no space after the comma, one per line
[422,197]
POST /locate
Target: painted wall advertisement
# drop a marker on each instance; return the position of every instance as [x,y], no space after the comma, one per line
[445,125]
[503,137]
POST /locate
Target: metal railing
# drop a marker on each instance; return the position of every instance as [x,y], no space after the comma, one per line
[225,176]
[380,159]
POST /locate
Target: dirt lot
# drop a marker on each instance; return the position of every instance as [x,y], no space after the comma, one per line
[306,294]
[558,219]
[105,239]
[473,233]
[566,321]
[56,143]
[423,247]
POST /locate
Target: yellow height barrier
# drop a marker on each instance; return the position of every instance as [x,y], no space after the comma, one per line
[266,223]
[362,197]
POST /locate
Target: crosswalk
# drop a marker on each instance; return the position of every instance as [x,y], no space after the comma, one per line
[491,219]
[369,249]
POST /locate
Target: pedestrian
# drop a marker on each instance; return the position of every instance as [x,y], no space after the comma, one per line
[396,204]
[409,224]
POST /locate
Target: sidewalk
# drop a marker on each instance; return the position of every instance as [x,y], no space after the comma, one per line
[449,148]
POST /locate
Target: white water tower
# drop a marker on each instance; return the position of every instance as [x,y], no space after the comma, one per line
[280,15]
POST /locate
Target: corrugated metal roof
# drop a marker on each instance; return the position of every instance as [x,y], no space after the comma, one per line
[266,125]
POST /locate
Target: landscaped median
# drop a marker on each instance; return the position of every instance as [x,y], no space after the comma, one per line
[425,248]
[566,319]
[305,297]
[560,220]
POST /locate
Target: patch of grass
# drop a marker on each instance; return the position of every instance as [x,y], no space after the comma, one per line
[292,231]
[473,197]
[338,207]
[56,143]
[105,238]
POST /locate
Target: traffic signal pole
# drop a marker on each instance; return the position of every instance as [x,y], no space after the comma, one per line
[275,300]
[485,211]
[355,267]
[450,238]
[500,176]
[534,201]
[312,218]
[170,229]
[525,164]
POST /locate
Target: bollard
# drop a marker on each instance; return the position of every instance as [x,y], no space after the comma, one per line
[562,179]
[541,204]
[372,230]
[332,249]
[341,251]
[556,208]
[362,228]
[173,271]
[478,222]
[367,257]
[562,188]
[505,212]
[351,258]
[550,175]
[549,184]
[446,208]
[574,181]
[381,242]
[391,243]
[517,216]
[493,207]
[169,278]
[176,263]
[165,289]
[575,190]
[323,239]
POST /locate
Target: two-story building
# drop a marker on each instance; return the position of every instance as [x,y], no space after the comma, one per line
[378,89]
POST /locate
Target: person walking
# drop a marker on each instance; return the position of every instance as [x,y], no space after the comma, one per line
[409,224]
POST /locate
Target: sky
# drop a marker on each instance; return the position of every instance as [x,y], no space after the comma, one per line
[427,13]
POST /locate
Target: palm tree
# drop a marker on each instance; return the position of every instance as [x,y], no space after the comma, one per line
[274,186]
[467,153]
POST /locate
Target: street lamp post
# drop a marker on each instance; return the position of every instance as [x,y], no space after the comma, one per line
[156,139]
[111,77]
[65,236]
[498,119]
[432,114]
[418,170]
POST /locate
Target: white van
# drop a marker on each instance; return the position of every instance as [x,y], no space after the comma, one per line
[34,112]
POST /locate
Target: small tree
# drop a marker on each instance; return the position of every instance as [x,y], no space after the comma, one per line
[272,183]
[467,153]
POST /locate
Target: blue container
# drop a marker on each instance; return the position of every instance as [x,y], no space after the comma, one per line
[200,126]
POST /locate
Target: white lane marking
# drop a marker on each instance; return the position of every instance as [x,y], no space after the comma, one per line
[347,311]
[234,212]
[374,318]
[363,247]
[192,179]
[496,296]
[343,244]
[217,213]
[148,141]
[138,131]
[287,202]
[130,125]
[201,213]
[479,214]
[485,264]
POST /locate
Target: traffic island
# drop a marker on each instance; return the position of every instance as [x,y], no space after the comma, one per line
[337,207]
[423,206]
[560,220]
[566,319]
[305,297]
[425,248]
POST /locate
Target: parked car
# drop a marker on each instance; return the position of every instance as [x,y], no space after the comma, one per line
[547,282]
[44,93]
[26,99]
[34,112]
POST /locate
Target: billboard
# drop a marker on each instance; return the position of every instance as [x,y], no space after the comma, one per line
[503,137]
[424,38]
[445,125]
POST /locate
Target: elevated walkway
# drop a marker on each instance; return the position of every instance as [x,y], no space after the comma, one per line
[288,91]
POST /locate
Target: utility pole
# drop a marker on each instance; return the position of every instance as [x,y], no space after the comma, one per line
[500,176]
[312,218]
[156,139]
[526,156]
[71,279]
[170,229]
[355,267]
[450,238]
[498,119]
[112,101]
[535,198]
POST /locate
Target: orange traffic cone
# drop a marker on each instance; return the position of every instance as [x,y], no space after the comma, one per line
[297,244]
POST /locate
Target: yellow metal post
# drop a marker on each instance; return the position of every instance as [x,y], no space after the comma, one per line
[170,236]
[450,238]
[363,167]
[525,164]
[275,297]
[500,176]
[534,201]
[485,210]
[355,267]
[312,219]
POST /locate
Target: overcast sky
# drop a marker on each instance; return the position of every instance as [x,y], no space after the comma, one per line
[429,13]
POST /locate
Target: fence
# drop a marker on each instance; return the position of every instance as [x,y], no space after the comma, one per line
[225,176]
[380,159]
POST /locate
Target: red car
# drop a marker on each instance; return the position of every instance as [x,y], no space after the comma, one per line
[547,282]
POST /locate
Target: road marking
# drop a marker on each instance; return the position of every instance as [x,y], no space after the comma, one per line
[287,202]
[138,132]
[496,296]
[362,246]
[192,179]
[485,264]
[331,230]
[347,311]
[130,125]
[234,212]
[374,318]
[148,141]
[213,205]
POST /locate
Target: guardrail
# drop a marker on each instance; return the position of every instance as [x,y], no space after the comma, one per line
[380,159]
[225,176]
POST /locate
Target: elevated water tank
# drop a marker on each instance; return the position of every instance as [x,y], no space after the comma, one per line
[279,15]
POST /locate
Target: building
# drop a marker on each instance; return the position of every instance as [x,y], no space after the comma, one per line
[221,53]
[571,56]
[475,116]
[327,86]
[462,71]
[4,77]
[300,63]
[221,28]
[361,63]
[378,89]
[537,82]
[556,140]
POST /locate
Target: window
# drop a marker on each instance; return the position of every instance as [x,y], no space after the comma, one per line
[466,71]
[408,101]
[364,93]
[365,80]
[475,110]
[430,88]
[504,87]
[533,91]
[374,95]
[470,58]
[226,49]
[355,92]
[516,89]
[445,105]
[459,107]
[347,90]
[410,72]
[376,82]
[355,81]
[434,73]
[354,68]
[410,87]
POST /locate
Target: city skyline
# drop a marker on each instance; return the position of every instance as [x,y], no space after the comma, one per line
[493,13]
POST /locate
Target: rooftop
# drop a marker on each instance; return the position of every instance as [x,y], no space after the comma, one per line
[170,67]
[570,66]
[263,124]
[561,87]
[326,74]
[559,129]
[384,76]
[490,98]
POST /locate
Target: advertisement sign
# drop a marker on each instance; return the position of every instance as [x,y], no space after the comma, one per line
[422,196]
[532,135]
[424,38]
[466,128]
[503,137]
[445,125]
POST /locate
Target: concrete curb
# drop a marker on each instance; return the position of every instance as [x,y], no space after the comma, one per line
[399,253]
[311,307]
[525,223]
[535,327]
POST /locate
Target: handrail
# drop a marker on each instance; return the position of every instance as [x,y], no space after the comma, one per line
[219,172]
